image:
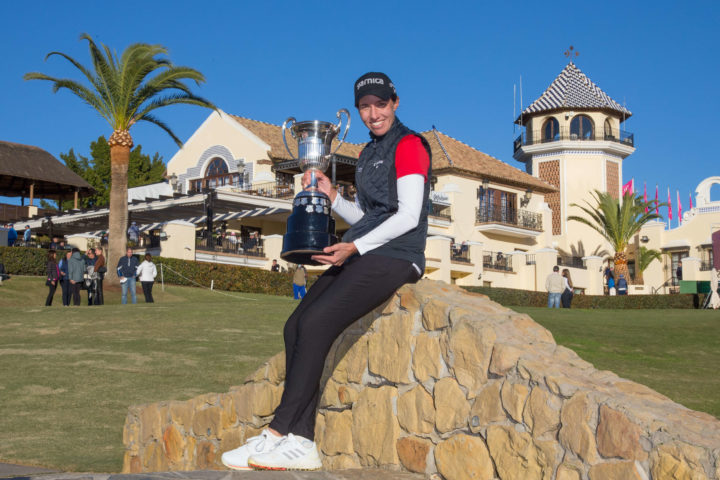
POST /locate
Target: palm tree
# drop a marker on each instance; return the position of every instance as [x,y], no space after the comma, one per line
[617,221]
[125,90]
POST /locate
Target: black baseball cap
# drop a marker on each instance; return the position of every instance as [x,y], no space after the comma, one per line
[374,83]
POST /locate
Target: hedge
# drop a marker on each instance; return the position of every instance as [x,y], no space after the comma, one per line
[31,261]
[528,298]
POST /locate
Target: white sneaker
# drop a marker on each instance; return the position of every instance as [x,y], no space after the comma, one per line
[238,459]
[292,453]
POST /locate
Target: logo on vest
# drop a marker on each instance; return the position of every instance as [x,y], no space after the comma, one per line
[377,163]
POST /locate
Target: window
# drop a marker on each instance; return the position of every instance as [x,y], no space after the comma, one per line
[581,128]
[497,206]
[608,130]
[217,167]
[216,175]
[551,130]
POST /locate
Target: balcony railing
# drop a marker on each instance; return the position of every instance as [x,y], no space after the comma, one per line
[573,262]
[509,216]
[497,261]
[529,259]
[538,136]
[706,265]
[232,245]
[460,253]
[440,211]
[268,190]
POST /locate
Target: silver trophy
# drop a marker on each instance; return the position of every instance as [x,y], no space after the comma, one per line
[310,227]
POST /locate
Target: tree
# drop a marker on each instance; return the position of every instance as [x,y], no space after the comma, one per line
[617,220]
[142,170]
[124,90]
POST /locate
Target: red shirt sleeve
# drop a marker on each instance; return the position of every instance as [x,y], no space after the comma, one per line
[411,157]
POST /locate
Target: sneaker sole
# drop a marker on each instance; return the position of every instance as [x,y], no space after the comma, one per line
[256,466]
[233,467]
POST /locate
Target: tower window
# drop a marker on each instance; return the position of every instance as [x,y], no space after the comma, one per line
[581,128]
[551,130]
[608,130]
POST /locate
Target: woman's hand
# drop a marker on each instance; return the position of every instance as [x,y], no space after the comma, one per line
[336,254]
[323,182]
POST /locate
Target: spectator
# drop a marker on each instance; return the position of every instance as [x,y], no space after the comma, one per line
[91,285]
[126,270]
[567,294]
[100,269]
[53,276]
[678,271]
[133,233]
[622,286]
[607,274]
[299,282]
[55,244]
[65,279]
[147,271]
[12,235]
[27,235]
[252,242]
[611,286]
[275,267]
[61,245]
[555,285]
[76,274]
[232,241]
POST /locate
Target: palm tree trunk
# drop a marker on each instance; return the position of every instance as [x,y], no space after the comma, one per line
[120,145]
[621,267]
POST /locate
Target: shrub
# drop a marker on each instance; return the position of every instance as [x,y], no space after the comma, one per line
[31,261]
[527,298]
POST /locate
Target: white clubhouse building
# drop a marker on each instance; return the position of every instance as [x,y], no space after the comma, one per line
[491,224]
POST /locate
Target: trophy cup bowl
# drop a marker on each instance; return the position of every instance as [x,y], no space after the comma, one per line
[311,227]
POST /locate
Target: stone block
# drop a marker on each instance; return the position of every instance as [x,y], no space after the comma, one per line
[207,456]
[427,358]
[389,352]
[575,432]
[413,453]
[463,457]
[615,471]
[375,426]
[568,472]
[208,422]
[618,437]
[229,413]
[181,413]
[539,416]
[150,428]
[677,461]
[276,369]
[154,459]
[338,437]
[174,444]
[436,314]
[469,347]
[507,446]
[415,411]
[451,406]
[513,399]
[351,359]
[409,300]
[340,462]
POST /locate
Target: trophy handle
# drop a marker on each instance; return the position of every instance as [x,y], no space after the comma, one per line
[286,124]
[339,125]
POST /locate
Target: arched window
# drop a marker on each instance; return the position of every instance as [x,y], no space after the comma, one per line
[217,167]
[551,130]
[581,128]
[608,130]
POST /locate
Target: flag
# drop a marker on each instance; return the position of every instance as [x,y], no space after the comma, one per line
[669,205]
[632,185]
[679,208]
[691,207]
[645,196]
[657,201]
[627,187]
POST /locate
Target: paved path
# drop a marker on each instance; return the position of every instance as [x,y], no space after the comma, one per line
[18,472]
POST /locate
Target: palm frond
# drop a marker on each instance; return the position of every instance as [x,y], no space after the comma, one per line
[163,125]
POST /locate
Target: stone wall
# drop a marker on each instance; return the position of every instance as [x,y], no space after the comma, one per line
[439,380]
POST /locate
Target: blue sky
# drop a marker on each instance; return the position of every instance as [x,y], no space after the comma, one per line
[454,64]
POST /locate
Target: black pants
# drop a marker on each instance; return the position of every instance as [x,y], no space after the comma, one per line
[147,291]
[338,298]
[566,298]
[51,294]
[65,285]
[99,300]
[75,289]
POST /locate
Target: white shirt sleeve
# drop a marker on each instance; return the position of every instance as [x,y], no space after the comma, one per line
[349,211]
[410,190]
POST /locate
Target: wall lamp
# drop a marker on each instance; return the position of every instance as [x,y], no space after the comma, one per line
[644,239]
[525,199]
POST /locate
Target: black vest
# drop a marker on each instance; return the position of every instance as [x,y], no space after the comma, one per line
[376,182]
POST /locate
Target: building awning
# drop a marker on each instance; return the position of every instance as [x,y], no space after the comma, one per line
[676,245]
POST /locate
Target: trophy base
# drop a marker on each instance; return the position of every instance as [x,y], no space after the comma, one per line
[299,247]
[301,257]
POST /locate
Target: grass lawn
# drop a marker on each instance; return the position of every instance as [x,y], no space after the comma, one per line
[676,352]
[68,375]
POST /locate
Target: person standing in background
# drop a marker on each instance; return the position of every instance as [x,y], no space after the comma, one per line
[90,269]
[567,294]
[299,282]
[622,286]
[76,273]
[127,270]
[147,273]
[53,276]
[275,267]
[554,284]
[12,235]
[65,279]
[27,235]
[100,270]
